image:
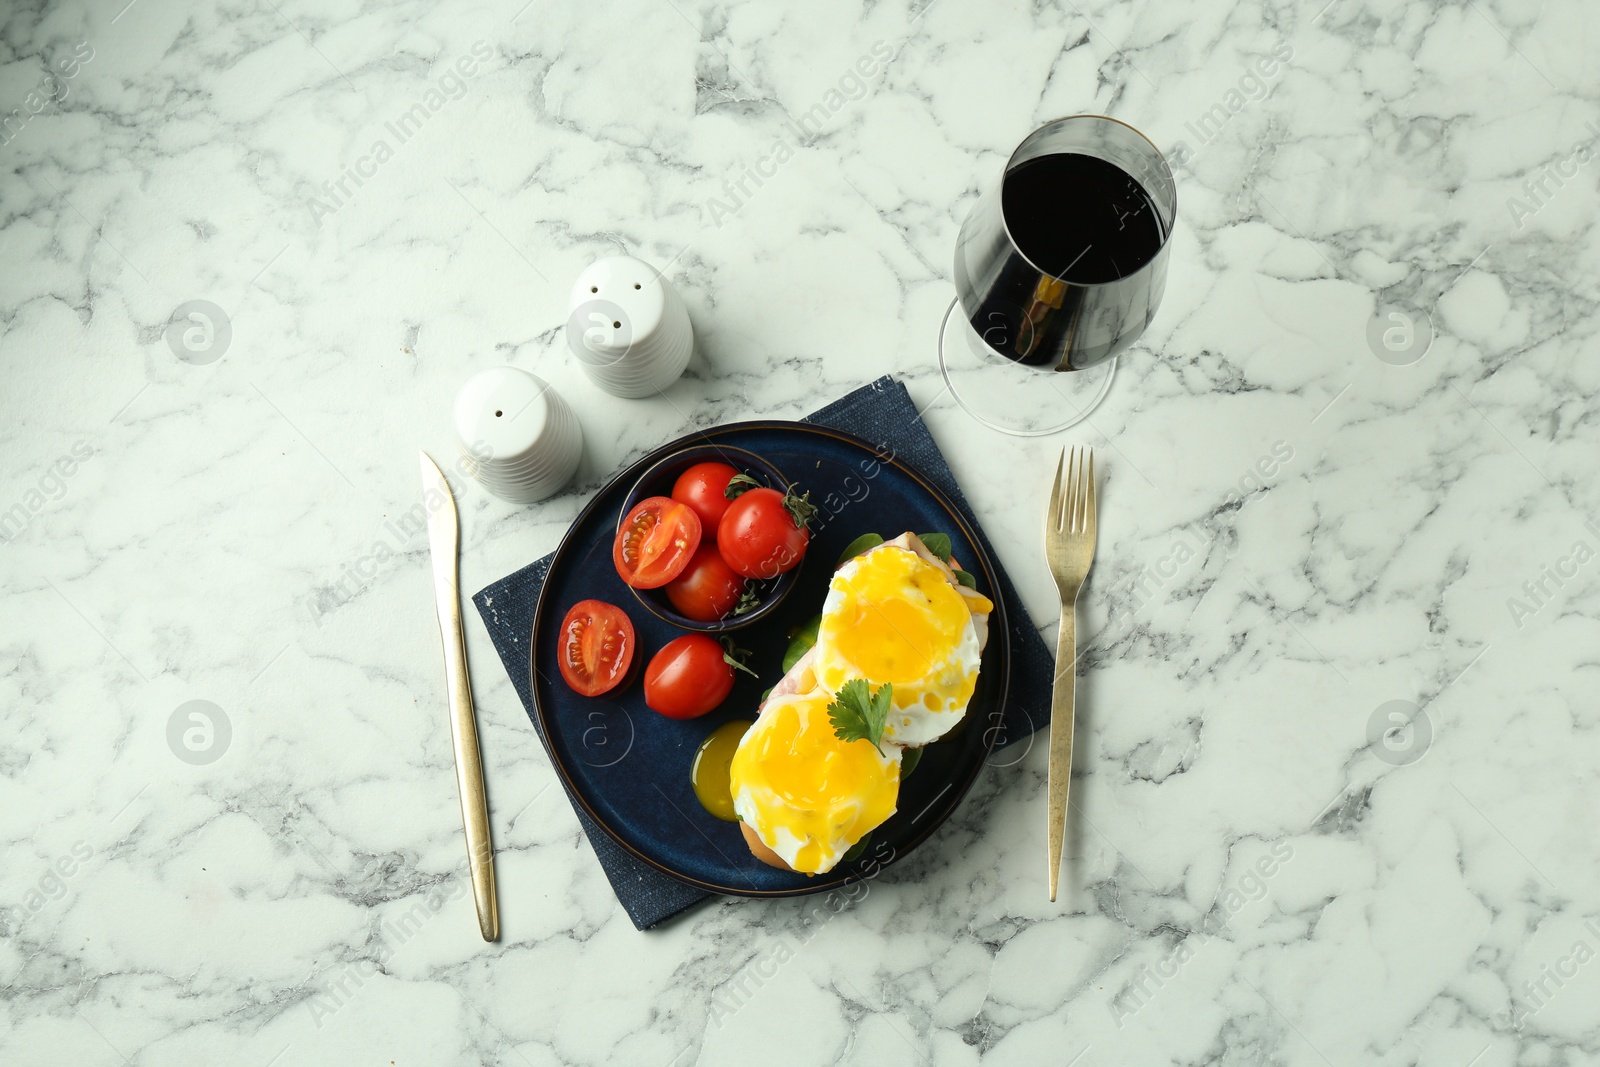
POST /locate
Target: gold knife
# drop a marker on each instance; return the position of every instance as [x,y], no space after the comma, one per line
[444,544]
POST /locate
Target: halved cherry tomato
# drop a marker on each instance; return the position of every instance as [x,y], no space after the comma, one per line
[763,532]
[596,647]
[707,589]
[703,488]
[688,677]
[654,542]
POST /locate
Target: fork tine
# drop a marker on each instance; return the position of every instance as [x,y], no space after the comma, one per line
[1082,501]
[1053,516]
[1066,502]
[1077,483]
[1090,515]
[1066,489]
[1064,512]
[1074,487]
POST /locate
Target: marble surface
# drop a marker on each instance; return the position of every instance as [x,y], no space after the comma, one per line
[1304,546]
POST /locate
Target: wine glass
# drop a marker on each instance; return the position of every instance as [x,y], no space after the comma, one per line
[1059,266]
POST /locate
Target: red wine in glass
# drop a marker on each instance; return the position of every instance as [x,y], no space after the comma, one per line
[1062,264]
[1080,218]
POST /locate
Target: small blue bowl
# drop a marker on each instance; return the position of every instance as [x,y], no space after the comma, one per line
[658,481]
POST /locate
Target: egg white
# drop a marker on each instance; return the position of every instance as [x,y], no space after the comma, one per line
[925,707]
[781,822]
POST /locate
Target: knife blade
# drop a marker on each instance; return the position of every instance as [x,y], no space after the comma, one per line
[444,545]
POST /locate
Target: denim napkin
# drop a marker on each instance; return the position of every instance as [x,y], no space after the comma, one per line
[881,411]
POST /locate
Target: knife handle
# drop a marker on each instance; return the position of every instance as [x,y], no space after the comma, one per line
[469,778]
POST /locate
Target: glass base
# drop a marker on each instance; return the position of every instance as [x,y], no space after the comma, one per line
[1009,397]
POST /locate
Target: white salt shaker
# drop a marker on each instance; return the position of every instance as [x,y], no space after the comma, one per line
[628,327]
[517,437]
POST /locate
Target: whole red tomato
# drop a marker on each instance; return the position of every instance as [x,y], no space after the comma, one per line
[688,677]
[707,589]
[763,533]
[703,487]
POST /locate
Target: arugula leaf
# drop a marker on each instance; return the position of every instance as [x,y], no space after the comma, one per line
[858,714]
[801,638]
[966,579]
[861,544]
[938,544]
[798,647]
[909,761]
[810,628]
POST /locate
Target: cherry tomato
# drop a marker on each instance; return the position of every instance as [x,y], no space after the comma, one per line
[760,536]
[688,677]
[595,648]
[702,487]
[654,542]
[707,589]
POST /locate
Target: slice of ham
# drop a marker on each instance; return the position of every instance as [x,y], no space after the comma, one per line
[801,671]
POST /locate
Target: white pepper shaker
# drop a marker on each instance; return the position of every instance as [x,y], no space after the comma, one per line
[628,327]
[517,437]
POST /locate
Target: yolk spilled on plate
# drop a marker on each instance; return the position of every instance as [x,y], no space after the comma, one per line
[709,773]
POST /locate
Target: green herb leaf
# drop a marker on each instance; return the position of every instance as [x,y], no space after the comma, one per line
[810,627]
[738,485]
[748,601]
[801,638]
[909,761]
[866,542]
[858,714]
[735,657]
[859,847]
[966,579]
[801,509]
[798,647]
[938,544]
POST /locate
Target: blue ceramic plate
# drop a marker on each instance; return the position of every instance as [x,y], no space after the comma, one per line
[629,767]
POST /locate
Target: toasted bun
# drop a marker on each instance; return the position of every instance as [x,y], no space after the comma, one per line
[761,851]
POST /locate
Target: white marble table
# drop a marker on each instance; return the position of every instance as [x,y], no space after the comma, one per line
[382,199]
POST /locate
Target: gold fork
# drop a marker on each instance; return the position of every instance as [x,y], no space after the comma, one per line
[1069,533]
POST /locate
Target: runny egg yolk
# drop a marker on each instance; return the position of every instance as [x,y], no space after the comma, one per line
[893,617]
[807,794]
[709,772]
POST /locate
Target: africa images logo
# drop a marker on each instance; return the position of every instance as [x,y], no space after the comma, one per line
[453,84]
[53,89]
[1542,588]
[853,85]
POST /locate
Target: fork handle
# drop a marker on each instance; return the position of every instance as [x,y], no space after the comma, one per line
[1062,715]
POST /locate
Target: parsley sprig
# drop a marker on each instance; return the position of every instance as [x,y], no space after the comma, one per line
[858,714]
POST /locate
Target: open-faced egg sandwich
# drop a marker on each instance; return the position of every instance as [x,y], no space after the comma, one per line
[894,665]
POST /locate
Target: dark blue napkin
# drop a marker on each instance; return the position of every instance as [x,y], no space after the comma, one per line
[881,411]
